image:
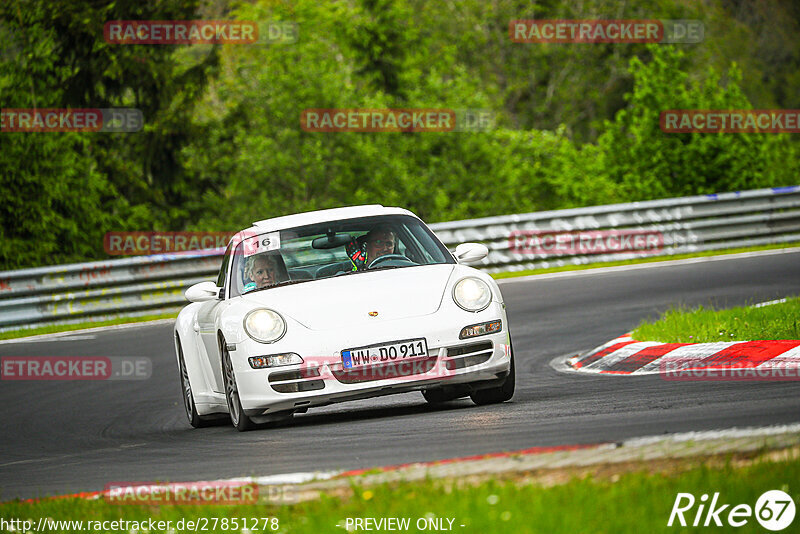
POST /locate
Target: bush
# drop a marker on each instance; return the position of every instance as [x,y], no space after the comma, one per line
[648,163]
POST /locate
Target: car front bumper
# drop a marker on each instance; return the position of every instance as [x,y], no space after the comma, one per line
[321,379]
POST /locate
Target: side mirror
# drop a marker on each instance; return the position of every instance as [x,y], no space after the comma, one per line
[202,292]
[468,253]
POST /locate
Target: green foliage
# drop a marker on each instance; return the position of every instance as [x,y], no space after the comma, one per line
[278,168]
[222,144]
[648,163]
[65,190]
[50,211]
[46,178]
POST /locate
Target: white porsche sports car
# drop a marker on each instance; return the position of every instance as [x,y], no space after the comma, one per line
[336,305]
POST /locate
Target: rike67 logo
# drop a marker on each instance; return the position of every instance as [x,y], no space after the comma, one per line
[774,510]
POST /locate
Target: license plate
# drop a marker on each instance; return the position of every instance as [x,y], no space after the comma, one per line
[398,351]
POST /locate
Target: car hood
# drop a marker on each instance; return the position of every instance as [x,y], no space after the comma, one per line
[346,301]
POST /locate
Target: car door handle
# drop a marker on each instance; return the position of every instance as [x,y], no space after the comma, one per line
[196,326]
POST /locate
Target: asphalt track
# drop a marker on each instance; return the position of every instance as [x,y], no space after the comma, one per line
[64,437]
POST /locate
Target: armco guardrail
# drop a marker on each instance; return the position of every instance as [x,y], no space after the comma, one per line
[155,284]
[687,224]
[101,290]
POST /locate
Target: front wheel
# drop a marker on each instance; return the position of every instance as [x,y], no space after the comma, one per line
[195,419]
[238,417]
[438,396]
[500,393]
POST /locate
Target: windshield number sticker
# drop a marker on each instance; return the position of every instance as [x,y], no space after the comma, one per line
[261,243]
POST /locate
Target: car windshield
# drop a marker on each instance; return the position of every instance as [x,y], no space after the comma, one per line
[336,248]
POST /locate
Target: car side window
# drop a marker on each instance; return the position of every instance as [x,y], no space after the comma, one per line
[424,244]
[226,259]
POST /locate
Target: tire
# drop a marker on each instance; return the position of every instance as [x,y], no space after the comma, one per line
[195,419]
[238,417]
[498,394]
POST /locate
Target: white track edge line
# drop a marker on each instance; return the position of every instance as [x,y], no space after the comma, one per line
[647,265]
[81,331]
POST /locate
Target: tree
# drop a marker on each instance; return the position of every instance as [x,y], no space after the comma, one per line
[66,189]
[648,163]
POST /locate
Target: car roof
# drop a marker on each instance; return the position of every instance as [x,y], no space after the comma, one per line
[335,214]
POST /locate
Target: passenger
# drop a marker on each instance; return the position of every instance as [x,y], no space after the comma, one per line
[264,270]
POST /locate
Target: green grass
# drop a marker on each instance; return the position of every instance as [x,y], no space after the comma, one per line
[647,259]
[634,502]
[701,325]
[51,329]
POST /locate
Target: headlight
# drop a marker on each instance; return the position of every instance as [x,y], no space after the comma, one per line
[472,294]
[264,325]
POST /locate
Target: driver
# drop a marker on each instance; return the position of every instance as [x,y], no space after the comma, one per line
[263,269]
[378,242]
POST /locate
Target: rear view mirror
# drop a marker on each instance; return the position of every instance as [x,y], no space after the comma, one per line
[469,253]
[332,240]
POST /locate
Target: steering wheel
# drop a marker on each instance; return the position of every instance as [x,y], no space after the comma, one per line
[385,257]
